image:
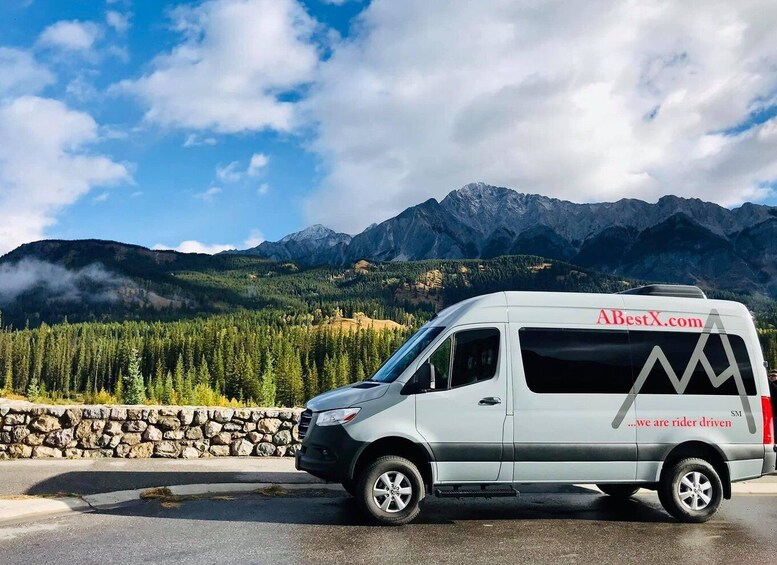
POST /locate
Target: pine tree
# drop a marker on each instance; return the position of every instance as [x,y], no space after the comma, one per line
[203,373]
[167,391]
[178,377]
[134,389]
[188,387]
[296,386]
[33,390]
[118,391]
[8,381]
[311,382]
[268,384]
[158,380]
[252,387]
[329,374]
[360,374]
[343,371]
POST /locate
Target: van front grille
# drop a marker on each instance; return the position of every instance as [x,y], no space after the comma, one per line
[304,423]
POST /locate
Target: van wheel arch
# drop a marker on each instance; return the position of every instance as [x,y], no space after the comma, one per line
[698,449]
[399,446]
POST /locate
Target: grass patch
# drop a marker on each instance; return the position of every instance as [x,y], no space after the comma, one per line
[158,493]
[273,490]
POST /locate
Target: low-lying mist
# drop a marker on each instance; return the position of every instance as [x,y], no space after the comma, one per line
[93,283]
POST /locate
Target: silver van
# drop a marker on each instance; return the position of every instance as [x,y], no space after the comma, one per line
[658,388]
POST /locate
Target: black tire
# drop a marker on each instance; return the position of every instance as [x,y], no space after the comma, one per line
[695,499]
[621,491]
[399,506]
[350,486]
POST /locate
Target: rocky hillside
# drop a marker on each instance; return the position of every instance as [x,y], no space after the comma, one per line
[675,239]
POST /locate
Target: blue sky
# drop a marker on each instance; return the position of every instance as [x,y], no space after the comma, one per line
[140,121]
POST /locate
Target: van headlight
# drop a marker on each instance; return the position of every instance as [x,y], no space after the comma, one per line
[334,417]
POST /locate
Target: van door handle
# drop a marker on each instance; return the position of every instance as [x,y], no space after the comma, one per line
[490,401]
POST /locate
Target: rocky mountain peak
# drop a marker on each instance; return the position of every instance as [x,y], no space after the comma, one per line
[675,239]
[312,233]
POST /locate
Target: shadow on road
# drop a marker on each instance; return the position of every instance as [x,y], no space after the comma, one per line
[319,507]
[93,482]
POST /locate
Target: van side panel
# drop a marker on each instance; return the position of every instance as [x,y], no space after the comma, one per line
[567,437]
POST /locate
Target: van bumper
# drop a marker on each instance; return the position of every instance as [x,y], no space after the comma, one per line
[328,453]
[770,460]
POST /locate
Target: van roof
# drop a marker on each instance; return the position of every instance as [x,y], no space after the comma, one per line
[493,308]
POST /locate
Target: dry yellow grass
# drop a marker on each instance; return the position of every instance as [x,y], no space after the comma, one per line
[156,493]
[540,267]
[362,266]
[360,322]
[273,490]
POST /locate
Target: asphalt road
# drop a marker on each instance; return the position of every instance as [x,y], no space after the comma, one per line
[566,525]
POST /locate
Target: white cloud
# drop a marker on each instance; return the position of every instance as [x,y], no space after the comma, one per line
[254,239]
[593,102]
[81,89]
[20,73]
[263,189]
[118,21]
[71,35]
[210,194]
[192,246]
[45,165]
[102,197]
[236,59]
[118,52]
[193,140]
[229,173]
[258,162]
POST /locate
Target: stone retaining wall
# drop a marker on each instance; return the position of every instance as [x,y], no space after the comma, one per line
[34,430]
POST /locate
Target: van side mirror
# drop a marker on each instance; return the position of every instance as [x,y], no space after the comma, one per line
[421,381]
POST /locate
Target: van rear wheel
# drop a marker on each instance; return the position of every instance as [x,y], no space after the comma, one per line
[389,491]
[622,491]
[691,490]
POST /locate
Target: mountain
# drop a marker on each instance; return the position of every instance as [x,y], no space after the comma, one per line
[316,244]
[675,239]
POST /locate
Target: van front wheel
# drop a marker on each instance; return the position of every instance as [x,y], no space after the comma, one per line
[622,491]
[691,490]
[390,490]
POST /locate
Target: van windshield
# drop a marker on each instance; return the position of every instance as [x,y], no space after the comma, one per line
[394,365]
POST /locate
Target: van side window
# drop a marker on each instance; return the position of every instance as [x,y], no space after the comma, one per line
[475,357]
[576,361]
[678,347]
[608,361]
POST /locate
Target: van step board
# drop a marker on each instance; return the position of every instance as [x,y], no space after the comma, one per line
[475,493]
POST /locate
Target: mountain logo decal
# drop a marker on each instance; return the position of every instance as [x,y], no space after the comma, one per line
[680,383]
